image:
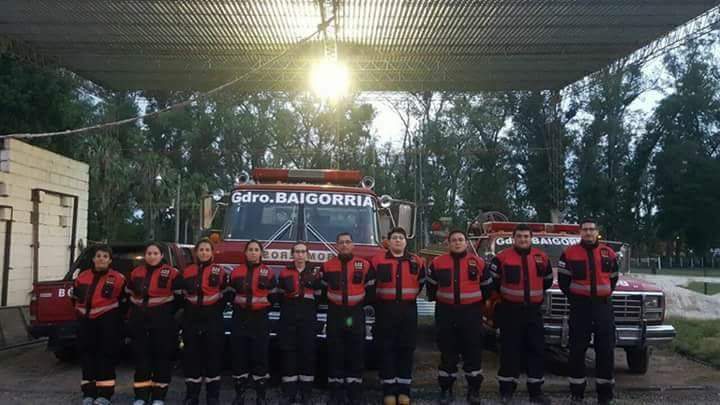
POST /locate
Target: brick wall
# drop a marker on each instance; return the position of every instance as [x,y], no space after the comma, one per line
[23,168]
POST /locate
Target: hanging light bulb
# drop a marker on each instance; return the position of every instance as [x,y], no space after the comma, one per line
[330,79]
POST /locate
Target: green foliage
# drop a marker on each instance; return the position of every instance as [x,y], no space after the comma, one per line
[38,99]
[529,154]
[538,146]
[697,286]
[602,152]
[699,339]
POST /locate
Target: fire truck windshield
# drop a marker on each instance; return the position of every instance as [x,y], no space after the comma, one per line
[301,215]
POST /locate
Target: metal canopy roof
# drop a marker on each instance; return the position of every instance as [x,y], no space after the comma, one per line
[388,44]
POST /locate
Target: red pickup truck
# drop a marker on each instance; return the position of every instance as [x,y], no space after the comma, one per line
[639,306]
[51,311]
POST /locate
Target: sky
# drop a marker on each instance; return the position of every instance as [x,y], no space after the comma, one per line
[388,127]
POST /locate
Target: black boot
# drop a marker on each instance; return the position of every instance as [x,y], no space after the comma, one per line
[306,393]
[473,396]
[89,391]
[159,393]
[536,393]
[507,389]
[605,393]
[104,394]
[446,396]
[446,389]
[473,393]
[289,391]
[240,389]
[192,393]
[355,394]
[143,394]
[337,395]
[261,391]
[577,393]
[212,391]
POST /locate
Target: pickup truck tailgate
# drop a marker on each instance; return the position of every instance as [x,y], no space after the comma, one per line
[51,302]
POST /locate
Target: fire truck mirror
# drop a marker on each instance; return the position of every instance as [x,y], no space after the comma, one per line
[406,218]
[206,212]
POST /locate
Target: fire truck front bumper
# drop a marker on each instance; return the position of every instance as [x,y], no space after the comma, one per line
[557,334]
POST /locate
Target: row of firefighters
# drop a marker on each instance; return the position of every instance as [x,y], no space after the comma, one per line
[458,281]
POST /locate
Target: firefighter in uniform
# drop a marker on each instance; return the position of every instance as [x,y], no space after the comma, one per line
[587,274]
[97,295]
[521,275]
[203,331]
[400,277]
[350,283]
[299,285]
[153,329]
[456,280]
[252,283]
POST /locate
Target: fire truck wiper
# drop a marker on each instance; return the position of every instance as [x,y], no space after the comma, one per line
[277,233]
[319,236]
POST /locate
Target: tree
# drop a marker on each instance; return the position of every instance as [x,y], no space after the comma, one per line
[479,120]
[602,152]
[109,154]
[685,129]
[39,99]
[538,145]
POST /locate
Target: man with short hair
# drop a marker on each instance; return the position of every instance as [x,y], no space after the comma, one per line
[348,280]
[457,280]
[587,275]
[521,274]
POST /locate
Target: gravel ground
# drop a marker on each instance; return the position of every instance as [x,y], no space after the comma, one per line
[31,375]
[682,302]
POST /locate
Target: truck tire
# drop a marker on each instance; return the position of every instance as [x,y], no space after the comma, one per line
[65,354]
[638,359]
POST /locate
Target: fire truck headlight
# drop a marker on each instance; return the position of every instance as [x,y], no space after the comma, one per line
[652,302]
[654,307]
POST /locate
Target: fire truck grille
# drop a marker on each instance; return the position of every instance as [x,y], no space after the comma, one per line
[627,307]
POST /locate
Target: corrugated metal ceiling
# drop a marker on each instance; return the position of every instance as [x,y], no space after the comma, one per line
[389,44]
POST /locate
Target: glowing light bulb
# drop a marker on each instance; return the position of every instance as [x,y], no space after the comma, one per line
[330,79]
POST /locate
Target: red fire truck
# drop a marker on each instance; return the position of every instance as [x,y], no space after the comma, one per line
[280,206]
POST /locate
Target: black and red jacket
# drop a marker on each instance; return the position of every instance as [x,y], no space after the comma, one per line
[96,293]
[458,279]
[348,280]
[588,270]
[204,285]
[398,278]
[521,275]
[294,284]
[252,284]
[154,286]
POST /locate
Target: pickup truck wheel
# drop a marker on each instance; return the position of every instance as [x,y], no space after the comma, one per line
[638,359]
[65,354]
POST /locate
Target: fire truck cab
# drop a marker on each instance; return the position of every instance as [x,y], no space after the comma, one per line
[279,207]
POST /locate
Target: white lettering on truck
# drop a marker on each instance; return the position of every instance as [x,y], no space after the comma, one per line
[310,198]
[552,241]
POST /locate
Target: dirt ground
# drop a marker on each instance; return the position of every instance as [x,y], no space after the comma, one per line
[33,375]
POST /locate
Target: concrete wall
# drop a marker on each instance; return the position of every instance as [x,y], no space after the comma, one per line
[23,168]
